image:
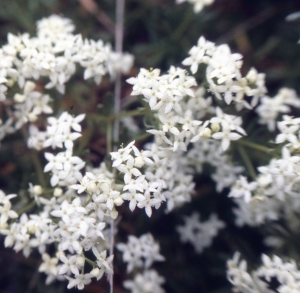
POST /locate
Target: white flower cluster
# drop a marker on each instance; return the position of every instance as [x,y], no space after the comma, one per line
[242,281]
[144,191]
[286,273]
[171,96]
[289,132]
[276,184]
[30,105]
[223,74]
[139,191]
[208,151]
[270,108]
[188,133]
[103,192]
[165,177]
[35,231]
[5,209]
[141,253]
[147,282]
[52,57]
[179,107]
[65,168]
[242,188]
[229,124]
[198,4]
[77,229]
[199,234]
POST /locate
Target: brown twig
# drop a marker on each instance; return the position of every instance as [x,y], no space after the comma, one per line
[91,7]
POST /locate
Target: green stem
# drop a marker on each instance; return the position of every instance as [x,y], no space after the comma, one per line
[132,113]
[47,190]
[254,145]
[143,136]
[247,161]
[38,168]
[26,208]
[109,138]
[88,201]
[89,261]
[112,117]
[130,100]
[85,139]
[188,18]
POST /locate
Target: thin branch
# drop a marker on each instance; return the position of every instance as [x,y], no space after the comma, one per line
[255,146]
[119,29]
[91,7]
[247,162]
[119,33]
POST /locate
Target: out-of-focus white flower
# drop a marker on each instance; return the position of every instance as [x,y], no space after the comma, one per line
[199,234]
[198,4]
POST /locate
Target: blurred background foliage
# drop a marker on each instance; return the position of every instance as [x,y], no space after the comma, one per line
[159,33]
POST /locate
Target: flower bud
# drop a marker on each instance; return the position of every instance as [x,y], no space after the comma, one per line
[37,189]
[80,261]
[139,162]
[104,186]
[9,242]
[113,214]
[3,226]
[95,272]
[92,187]
[29,85]
[215,127]
[32,117]
[10,82]
[206,132]
[59,253]
[118,201]
[31,229]
[264,180]
[19,98]
[57,191]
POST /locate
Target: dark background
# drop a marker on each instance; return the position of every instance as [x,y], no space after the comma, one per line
[159,33]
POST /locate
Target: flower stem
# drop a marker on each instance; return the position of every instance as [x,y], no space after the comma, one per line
[247,161]
[26,208]
[88,201]
[185,23]
[254,145]
[109,138]
[89,261]
[38,168]
[119,32]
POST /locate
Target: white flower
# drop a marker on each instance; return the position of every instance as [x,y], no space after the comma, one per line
[243,189]
[197,54]
[226,136]
[69,265]
[140,252]
[129,170]
[133,198]
[49,264]
[102,261]
[287,133]
[199,234]
[6,212]
[80,281]
[122,155]
[147,282]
